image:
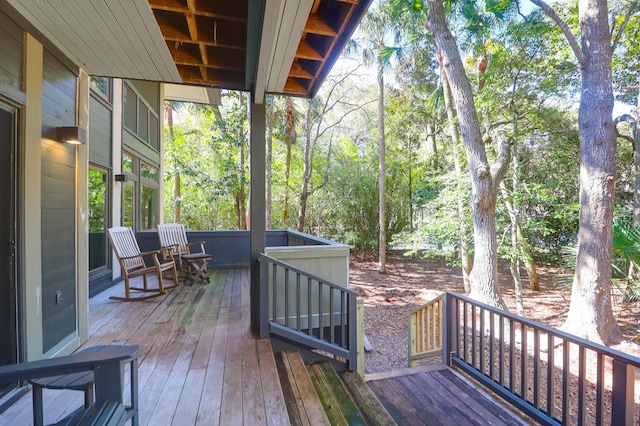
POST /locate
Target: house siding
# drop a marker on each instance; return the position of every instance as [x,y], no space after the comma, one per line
[58,205]
[100,137]
[11,54]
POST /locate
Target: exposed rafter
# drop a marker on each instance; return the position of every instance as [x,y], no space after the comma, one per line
[208,41]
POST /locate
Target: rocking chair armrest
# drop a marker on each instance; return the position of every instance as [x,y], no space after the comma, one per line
[153,253]
[195,243]
[130,257]
[83,361]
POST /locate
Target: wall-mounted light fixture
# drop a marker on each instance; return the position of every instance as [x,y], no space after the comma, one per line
[71,134]
[120,178]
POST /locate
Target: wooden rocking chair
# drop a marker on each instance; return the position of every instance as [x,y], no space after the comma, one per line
[132,264]
[174,242]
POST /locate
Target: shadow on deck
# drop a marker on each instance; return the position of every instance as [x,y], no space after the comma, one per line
[200,364]
[199,361]
[437,395]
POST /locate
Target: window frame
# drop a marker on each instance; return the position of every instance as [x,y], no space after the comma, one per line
[146,135]
[107,218]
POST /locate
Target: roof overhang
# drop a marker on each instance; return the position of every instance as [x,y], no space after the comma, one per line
[105,38]
[262,46]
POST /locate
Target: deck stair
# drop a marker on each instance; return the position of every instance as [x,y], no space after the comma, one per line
[316,394]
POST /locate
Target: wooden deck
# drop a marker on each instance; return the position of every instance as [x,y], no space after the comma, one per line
[199,362]
[436,395]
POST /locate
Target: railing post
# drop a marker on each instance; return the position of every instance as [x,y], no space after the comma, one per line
[622,399]
[412,338]
[449,327]
[360,319]
[264,297]
[353,332]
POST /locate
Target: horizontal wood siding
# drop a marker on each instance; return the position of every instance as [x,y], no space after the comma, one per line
[140,149]
[100,131]
[58,204]
[11,62]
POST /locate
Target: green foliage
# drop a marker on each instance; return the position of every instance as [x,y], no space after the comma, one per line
[626,258]
[531,83]
[209,151]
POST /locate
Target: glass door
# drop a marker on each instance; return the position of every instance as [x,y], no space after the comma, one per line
[8,287]
[98,215]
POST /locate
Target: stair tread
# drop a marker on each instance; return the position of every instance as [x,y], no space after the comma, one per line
[302,400]
[372,409]
[327,397]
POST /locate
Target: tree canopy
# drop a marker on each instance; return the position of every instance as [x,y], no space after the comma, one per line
[506,156]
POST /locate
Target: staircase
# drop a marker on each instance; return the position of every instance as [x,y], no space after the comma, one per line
[315,394]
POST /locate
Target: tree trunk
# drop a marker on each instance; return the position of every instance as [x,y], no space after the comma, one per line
[521,247]
[484,178]
[176,177]
[382,223]
[433,146]
[590,313]
[307,171]
[268,165]
[483,63]
[176,197]
[290,136]
[514,264]
[465,252]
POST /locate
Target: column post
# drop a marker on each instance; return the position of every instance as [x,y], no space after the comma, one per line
[258,233]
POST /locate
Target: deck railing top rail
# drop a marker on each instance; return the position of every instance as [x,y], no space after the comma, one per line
[307,309]
[572,338]
[553,376]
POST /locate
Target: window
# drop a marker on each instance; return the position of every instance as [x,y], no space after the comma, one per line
[143,121]
[98,219]
[130,109]
[148,172]
[139,118]
[127,163]
[148,203]
[101,85]
[128,203]
[139,194]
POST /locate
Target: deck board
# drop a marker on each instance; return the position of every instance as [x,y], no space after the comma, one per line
[199,362]
[439,396]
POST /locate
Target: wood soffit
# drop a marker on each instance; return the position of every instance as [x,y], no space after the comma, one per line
[208,41]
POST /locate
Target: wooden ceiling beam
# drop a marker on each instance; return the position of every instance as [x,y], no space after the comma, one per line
[176,39]
[305,51]
[316,25]
[299,72]
[294,87]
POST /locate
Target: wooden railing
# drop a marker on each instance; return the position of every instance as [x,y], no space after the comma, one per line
[553,376]
[308,310]
[425,331]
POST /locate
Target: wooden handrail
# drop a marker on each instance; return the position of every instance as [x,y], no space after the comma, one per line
[307,309]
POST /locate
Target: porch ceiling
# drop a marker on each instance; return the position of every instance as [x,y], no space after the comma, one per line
[265,46]
[215,42]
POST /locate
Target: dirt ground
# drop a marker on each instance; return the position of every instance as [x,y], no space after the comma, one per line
[411,282]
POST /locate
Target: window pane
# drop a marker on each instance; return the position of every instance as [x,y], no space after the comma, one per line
[129,110]
[101,84]
[127,163]
[127,206]
[97,219]
[148,208]
[143,121]
[148,172]
[154,140]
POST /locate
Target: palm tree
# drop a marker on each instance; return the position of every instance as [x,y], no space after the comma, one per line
[381,45]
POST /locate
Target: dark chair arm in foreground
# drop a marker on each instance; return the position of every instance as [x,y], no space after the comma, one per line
[107,366]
